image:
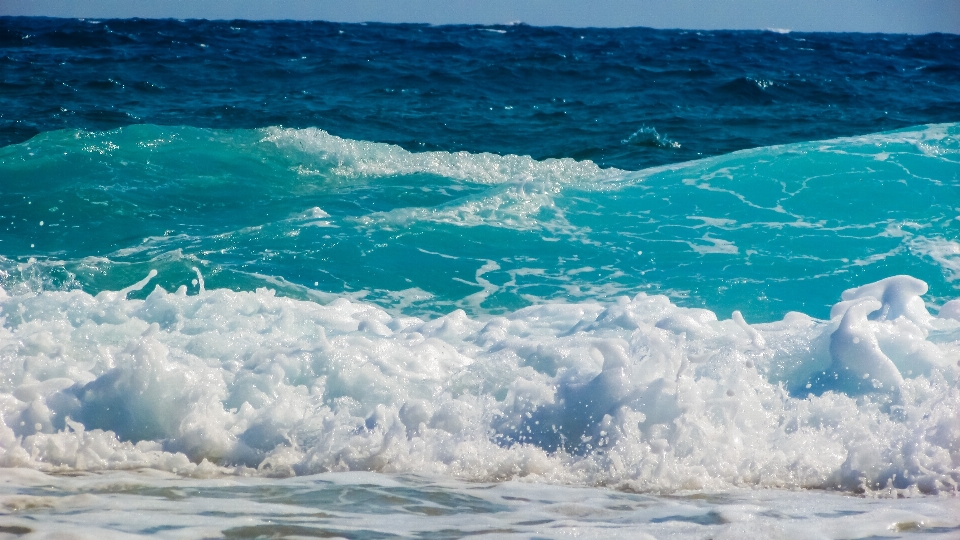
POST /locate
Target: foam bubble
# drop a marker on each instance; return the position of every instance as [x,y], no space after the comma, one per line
[945,252]
[638,393]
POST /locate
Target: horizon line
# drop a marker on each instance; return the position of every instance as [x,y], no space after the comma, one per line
[773,30]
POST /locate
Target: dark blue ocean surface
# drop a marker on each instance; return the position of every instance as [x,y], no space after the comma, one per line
[628,98]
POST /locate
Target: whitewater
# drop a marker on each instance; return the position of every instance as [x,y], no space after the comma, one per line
[397,304]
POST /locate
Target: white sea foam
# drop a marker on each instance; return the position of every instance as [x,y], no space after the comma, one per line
[528,186]
[945,252]
[349,158]
[638,393]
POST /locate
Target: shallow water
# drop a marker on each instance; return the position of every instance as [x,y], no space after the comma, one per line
[366,505]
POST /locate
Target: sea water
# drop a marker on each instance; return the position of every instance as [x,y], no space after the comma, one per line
[367,281]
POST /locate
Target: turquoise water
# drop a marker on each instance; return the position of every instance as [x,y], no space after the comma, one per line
[763,231]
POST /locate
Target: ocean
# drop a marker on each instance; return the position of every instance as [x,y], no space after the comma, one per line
[316,280]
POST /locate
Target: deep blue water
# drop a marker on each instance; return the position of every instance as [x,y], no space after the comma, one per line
[543,92]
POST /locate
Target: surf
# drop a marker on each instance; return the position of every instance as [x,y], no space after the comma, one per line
[638,393]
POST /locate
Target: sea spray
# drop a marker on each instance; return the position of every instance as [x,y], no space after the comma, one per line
[636,393]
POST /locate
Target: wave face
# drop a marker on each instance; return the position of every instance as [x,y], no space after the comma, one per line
[314,303]
[762,231]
